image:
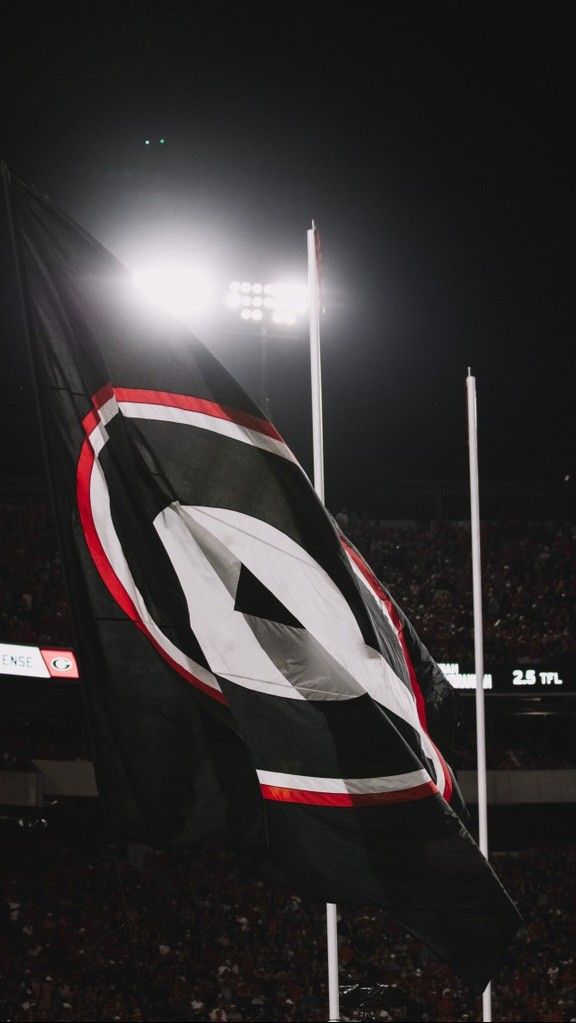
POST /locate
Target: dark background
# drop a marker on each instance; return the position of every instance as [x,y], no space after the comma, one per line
[431,147]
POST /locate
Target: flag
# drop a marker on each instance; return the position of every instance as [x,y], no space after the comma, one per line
[247,674]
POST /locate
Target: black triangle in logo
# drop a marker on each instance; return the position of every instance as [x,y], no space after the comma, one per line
[253,598]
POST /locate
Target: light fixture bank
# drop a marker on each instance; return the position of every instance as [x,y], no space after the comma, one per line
[191,294]
[281,303]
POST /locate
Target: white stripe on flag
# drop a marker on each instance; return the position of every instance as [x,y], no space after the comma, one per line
[225,427]
[353,786]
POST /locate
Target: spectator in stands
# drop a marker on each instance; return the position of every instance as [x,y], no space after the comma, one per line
[212,945]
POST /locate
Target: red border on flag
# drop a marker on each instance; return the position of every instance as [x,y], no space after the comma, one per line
[378,589]
[286,795]
[105,569]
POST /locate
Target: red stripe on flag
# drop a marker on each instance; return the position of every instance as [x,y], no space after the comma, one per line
[191,404]
[286,795]
[182,401]
[108,575]
[102,396]
[375,585]
[90,422]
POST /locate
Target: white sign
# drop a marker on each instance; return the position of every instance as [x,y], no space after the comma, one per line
[531,676]
[22,660]
[33,662]
[463,680]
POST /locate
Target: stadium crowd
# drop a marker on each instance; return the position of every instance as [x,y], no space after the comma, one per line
[33,604]
[529,577]
[528,574]
[529,615]
[210,944]
[185,935]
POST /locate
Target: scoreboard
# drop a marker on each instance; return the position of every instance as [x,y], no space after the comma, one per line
[526,679]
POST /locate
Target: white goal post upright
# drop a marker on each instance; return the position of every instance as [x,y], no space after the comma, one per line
[478,643]
[318,452]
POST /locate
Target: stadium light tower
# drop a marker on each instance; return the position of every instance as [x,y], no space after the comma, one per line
[275,307]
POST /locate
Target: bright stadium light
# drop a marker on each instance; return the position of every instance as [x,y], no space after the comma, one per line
[186,291]
[290,297]
[278,316]
[281,303]
[268,309]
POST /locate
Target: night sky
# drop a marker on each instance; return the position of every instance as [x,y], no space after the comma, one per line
[430,145]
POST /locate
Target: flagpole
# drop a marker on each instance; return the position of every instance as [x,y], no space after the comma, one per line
[478,645]
[315,364]
[318,453]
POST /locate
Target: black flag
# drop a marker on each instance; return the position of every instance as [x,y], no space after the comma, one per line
[246,671]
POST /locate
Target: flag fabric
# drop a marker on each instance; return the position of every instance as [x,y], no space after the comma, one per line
[246,672]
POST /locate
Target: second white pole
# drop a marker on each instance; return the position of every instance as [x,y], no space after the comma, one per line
[478,643]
